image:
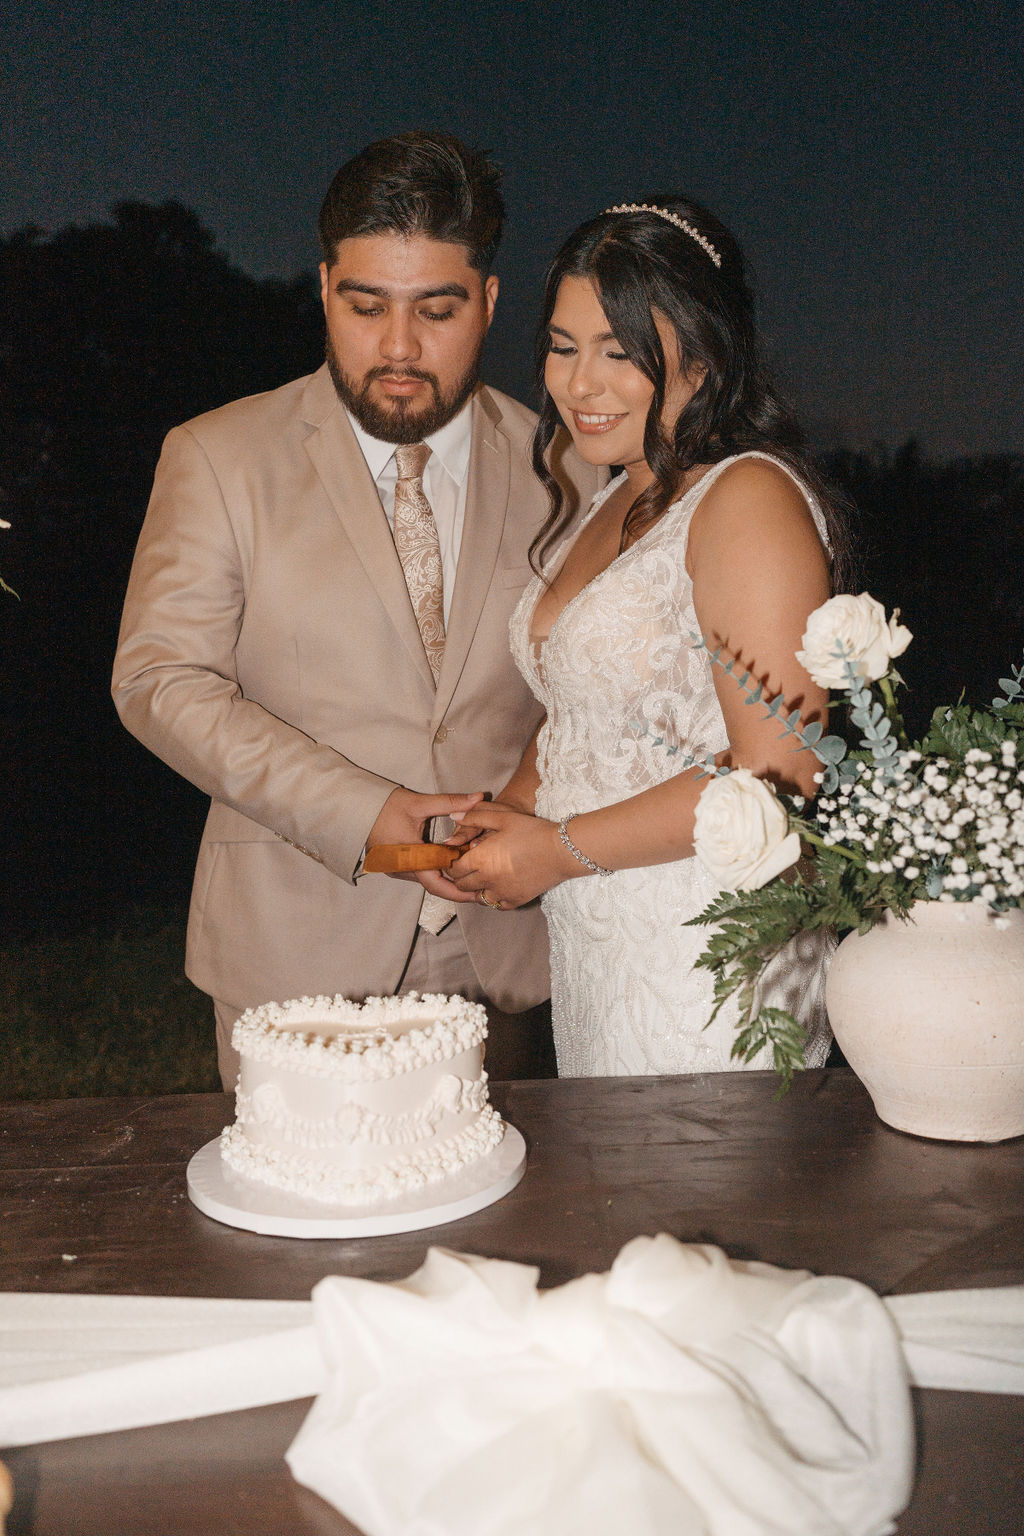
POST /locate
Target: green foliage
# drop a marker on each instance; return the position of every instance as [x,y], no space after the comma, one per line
[873,848]
[778,1029]
[751,927]
[953,732]
[829,750]
[105,1012]
[1013,688]
[880,737]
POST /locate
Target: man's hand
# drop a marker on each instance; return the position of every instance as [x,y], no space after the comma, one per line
[403,819]
[404,814]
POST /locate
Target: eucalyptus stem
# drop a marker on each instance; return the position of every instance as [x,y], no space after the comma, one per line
[887,691]
[806,836]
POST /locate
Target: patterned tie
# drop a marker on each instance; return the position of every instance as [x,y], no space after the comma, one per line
[419,550]
[420,553]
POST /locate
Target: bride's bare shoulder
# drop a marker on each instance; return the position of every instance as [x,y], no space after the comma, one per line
[756,502]
[754,480]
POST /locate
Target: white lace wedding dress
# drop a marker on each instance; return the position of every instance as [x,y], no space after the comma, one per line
[626,693]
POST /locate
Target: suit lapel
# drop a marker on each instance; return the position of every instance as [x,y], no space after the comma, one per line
[486,505]
[339,463]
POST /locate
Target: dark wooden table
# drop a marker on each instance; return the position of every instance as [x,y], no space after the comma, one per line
[812,1181]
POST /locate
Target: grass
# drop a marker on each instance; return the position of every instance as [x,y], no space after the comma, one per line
[105,1012]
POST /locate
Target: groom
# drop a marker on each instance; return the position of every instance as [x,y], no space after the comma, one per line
[316,626]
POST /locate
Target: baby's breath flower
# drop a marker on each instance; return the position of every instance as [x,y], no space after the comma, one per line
[896,824]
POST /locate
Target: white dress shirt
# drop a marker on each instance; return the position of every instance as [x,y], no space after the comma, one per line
[444,483]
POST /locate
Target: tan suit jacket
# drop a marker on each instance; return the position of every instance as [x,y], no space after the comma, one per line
[269,653]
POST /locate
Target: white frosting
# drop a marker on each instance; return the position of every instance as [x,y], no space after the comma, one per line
[301,1175]
[333,1037]
[355,1104]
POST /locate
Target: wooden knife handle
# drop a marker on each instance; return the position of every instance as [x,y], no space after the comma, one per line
[401,858]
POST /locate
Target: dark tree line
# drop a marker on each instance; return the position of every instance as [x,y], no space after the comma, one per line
[112,334]
[945,544]
[109,336]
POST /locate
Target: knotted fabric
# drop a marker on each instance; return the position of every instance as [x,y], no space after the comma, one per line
[683,1393]
[419,550]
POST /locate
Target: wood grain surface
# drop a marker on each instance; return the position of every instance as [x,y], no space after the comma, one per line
[92,1198]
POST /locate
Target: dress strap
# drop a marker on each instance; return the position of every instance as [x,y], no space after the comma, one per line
[696,493]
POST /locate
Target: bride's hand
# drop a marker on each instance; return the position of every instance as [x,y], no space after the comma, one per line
[514,857]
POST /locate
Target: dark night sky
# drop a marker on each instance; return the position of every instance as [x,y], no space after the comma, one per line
[868,156]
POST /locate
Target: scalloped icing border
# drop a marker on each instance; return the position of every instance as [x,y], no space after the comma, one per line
[367,1056]
[404,1174]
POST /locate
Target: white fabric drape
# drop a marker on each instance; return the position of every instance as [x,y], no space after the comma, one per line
[83,1365]
[681,1392]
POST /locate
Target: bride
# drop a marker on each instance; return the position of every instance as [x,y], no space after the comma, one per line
[716,526]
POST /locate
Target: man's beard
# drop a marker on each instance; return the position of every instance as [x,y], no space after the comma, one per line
[400,421]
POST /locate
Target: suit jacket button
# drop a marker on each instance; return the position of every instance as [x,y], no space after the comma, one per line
[441,734]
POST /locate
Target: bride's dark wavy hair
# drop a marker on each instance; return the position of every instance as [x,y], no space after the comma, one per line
[641,263]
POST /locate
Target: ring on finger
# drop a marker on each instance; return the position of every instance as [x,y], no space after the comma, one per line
[495,906]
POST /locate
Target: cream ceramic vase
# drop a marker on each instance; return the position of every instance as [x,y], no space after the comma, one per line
[929,1013]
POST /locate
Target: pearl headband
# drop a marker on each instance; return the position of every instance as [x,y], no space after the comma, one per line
[673,218]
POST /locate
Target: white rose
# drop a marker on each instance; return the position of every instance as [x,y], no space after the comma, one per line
[857,627]
[740,832]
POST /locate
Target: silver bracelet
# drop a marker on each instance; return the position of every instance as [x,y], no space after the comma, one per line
[568,842]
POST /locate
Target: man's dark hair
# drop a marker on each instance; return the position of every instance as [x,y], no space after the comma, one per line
[417,184]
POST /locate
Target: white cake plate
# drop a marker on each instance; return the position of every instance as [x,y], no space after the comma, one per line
[238,1202]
